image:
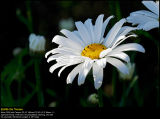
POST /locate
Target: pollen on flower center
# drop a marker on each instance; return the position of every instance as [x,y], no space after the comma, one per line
[93,50]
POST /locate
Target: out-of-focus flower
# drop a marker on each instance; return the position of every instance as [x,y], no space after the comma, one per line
[93,98]
[16,51]
[129,76]
[52,104]
[146,20]
[37,43]
[88,48]
[66,24]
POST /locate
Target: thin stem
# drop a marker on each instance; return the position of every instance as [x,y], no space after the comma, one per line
[29,16]
[19,89]
[118,10]
[38,82]
[100,96]
[126,91]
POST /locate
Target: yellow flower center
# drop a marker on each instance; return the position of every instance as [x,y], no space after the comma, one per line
[93,50]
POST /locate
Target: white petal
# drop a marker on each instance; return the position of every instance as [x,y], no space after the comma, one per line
[55,66]
[69,59]
[105,52]
[125,30]
[72,36]
[139,19]
[151,5]
[90,27]
[146,13]
[118,64]
[120,40]
[98,28]
[101,62]
[53,57]
[67,42]
[121,55]
[150,25]
[73,73]
[105,24]
[54,51]
[67,65]
[129,47]
[97,75]
[81,41]
[84,71]
[64,51]
[113,32]
[83,32]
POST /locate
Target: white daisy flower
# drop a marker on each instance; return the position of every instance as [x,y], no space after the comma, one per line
[17,51]
[129,76]
[146,20]
[88,48]
[36,43]
[66,24]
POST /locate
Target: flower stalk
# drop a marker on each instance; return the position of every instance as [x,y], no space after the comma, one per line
[100,97]
[38,82]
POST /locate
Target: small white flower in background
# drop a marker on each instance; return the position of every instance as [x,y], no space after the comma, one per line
[52,104]
[129,76]
[66,24]
[37,43]
[89,49]
[16,51]
[146,20]
[93,98]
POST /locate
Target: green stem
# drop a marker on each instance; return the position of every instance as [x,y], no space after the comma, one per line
[126,91]
[29,16]
[19,89]
[100,96]
[38,83]
[118,11]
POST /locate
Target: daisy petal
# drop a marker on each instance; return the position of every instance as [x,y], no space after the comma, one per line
[105,52]
[83,32]
[55,66]
[101,62]
[151,5]
[67,65]
[54,51]
[121,39]
[89,26]
[105,24]
[150,25]
[53,57]
[72,36]
[118,64]
[121,55]
[146,13]
[129,47]
[97,75]
[73,73]
[113,32]
[84,71]
[98,28]
[66,42]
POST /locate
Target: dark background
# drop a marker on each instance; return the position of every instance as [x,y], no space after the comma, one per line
[46,16]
